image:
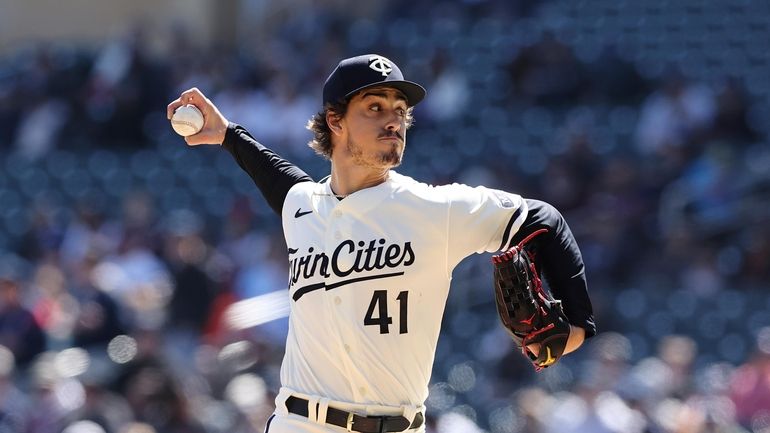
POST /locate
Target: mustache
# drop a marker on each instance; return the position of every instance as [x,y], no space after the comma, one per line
[391,134]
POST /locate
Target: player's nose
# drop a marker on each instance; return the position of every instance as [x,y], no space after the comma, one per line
[394,122]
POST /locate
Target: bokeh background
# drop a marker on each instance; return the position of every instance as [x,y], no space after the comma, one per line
[122,251]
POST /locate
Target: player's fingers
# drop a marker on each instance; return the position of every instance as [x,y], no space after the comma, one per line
[176,103]
[203,137]
[195,97]
[214,123]
[191,96]
[194,140]
[534,348]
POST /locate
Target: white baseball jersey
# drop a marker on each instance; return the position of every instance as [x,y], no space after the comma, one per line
[369,278]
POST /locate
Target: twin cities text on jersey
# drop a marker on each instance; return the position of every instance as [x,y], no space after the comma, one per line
[349,258]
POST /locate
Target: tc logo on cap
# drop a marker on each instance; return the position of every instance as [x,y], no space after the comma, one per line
[368,70]
[381,65]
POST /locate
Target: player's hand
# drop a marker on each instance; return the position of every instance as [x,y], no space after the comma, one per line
[534,348]
[214,123]
[576,338]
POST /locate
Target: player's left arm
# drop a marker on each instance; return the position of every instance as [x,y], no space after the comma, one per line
[559,259]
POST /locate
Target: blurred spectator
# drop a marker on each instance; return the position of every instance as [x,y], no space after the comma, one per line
[123,82]
[139,213]
[730,122]
[547,72]
[194,291]
[750,387]
[756,269]
[678,353]
[43,238]
[674,116]
[138,279]
[14,403]
[19,331]
[53,397]
[54,307]
[150,387]
[89,232]
[39,127]
[9,113]
[99,317]
[101,405]
[613,78]
[43,114]
[449,93]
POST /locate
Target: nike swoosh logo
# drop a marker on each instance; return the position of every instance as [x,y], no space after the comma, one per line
[299,213]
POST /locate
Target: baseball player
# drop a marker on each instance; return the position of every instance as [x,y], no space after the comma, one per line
[371,254]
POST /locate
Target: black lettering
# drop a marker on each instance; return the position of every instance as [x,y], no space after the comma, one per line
[408,257]
[403,310]
[314,266]
[324,265]
[378,264]
[335,258]
[379,303]
[303,264]
[391,253]
[310,269]
[357,265]
[368,265]
[294,275]
[369,256]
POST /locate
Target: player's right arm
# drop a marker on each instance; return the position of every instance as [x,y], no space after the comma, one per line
[272,174]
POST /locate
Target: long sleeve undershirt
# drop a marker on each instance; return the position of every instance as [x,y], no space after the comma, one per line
[272,174]
[558,257]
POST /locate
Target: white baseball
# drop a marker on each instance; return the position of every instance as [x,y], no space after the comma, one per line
[187,120]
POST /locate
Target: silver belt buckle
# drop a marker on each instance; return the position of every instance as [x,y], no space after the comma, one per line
[349,423]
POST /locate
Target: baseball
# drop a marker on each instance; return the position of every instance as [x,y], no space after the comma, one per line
[187,120]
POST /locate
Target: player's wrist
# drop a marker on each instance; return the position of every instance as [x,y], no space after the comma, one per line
[577,336]
[221,134]
[228,132]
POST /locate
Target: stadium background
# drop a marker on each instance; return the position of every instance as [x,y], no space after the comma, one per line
[645,122]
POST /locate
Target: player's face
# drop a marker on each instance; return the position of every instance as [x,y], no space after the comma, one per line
[375,128]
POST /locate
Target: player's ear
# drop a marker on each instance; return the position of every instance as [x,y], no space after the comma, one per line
[334,121]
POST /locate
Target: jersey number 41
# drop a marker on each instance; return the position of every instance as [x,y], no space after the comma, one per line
[379,305]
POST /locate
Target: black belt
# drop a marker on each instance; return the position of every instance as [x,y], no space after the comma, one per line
[353,422]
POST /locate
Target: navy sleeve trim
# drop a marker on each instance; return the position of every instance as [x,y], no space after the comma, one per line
[273,175]
[507,233]
[559,260]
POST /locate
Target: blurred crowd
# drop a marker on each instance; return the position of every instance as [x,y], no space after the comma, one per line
[114,310]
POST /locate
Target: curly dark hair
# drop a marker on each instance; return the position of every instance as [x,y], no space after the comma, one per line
[322,134]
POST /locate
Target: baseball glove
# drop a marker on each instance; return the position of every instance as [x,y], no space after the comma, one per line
[530,314]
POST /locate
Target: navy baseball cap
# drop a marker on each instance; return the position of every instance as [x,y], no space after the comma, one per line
[369,70]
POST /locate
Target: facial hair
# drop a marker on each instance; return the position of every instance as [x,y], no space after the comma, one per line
[388,158]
